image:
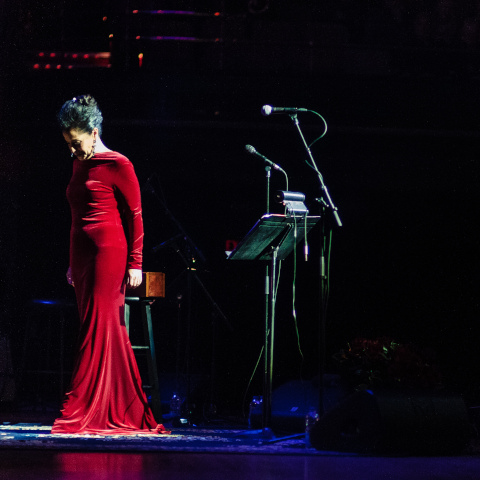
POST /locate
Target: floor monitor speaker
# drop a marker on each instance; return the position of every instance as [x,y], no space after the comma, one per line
[392,421]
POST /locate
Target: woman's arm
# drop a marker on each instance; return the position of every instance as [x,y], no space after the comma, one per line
[127,185]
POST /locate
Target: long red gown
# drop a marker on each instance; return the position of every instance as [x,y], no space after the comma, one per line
[105,395]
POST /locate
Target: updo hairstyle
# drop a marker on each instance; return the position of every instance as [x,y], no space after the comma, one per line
[81,113]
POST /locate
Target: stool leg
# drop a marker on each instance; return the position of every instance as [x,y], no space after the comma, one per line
[127,317]
[151,360]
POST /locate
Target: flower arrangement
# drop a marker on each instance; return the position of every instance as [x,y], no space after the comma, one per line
[382,362]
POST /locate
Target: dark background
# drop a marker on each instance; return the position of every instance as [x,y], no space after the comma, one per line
[396,81]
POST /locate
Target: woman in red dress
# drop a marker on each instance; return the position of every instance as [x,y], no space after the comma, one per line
[105,395]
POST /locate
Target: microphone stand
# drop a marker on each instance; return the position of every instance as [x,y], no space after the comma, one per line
[268,170]
[326,203]
[267,394]
[265,433]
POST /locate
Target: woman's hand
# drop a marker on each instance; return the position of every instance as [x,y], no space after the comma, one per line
[134,277]
[69,277]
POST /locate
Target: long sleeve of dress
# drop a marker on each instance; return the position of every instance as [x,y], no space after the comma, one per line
[126,184]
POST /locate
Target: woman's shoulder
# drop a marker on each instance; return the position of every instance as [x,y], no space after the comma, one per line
[118,159]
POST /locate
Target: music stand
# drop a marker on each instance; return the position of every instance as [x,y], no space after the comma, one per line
[271,238]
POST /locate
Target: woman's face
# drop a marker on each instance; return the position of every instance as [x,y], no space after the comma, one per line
[80,143]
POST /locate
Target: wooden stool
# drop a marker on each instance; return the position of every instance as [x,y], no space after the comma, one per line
[152,287]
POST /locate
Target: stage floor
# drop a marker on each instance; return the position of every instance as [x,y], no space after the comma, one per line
[29,451]
[26,464]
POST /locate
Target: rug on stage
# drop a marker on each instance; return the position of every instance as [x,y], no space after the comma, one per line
[188,439]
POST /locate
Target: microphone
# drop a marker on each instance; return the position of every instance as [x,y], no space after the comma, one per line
[268,110]
[252,151]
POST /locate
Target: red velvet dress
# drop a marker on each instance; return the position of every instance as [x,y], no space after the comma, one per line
[105,395]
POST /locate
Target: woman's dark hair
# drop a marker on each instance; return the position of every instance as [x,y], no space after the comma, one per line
[81,113]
